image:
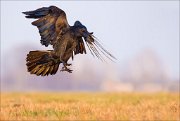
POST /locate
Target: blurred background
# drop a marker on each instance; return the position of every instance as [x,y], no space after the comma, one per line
[142,35]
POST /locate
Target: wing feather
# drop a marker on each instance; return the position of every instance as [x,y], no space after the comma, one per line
[80,48]
[51,22]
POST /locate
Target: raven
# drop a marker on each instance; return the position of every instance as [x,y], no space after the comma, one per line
[66,40]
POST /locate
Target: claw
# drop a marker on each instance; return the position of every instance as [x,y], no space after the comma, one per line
[66,69]
[69,70]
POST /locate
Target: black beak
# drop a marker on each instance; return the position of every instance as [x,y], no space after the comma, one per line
[86,34]
[88,37]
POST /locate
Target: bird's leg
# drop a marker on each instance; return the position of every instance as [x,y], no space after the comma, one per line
[67,64]
[64,68]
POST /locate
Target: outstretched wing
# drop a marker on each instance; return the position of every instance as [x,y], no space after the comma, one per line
[51,23]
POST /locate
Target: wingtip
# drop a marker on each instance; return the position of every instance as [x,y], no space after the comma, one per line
[25,13]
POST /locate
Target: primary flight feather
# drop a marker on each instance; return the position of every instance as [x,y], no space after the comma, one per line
[66,40]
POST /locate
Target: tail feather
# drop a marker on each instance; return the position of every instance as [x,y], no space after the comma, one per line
[42,63]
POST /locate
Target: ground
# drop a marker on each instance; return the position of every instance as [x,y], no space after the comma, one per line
[90,106]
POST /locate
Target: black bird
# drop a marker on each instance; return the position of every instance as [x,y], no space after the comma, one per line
[66,40]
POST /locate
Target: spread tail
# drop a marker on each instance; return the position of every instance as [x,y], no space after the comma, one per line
[42,63]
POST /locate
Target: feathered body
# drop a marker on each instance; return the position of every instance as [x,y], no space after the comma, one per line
[66,40]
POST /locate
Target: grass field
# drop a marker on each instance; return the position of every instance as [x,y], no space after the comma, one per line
[90,106]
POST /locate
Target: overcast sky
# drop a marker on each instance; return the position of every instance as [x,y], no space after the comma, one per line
[124,27]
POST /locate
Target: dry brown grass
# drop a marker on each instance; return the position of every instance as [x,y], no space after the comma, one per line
[89,106]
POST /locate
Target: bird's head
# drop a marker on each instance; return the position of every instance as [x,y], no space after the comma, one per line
[91,41]
[81,31]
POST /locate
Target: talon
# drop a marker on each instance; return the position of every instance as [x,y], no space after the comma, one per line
[66,69]
[70,71]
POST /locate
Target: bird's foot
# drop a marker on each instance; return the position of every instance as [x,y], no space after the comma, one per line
[66,69]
